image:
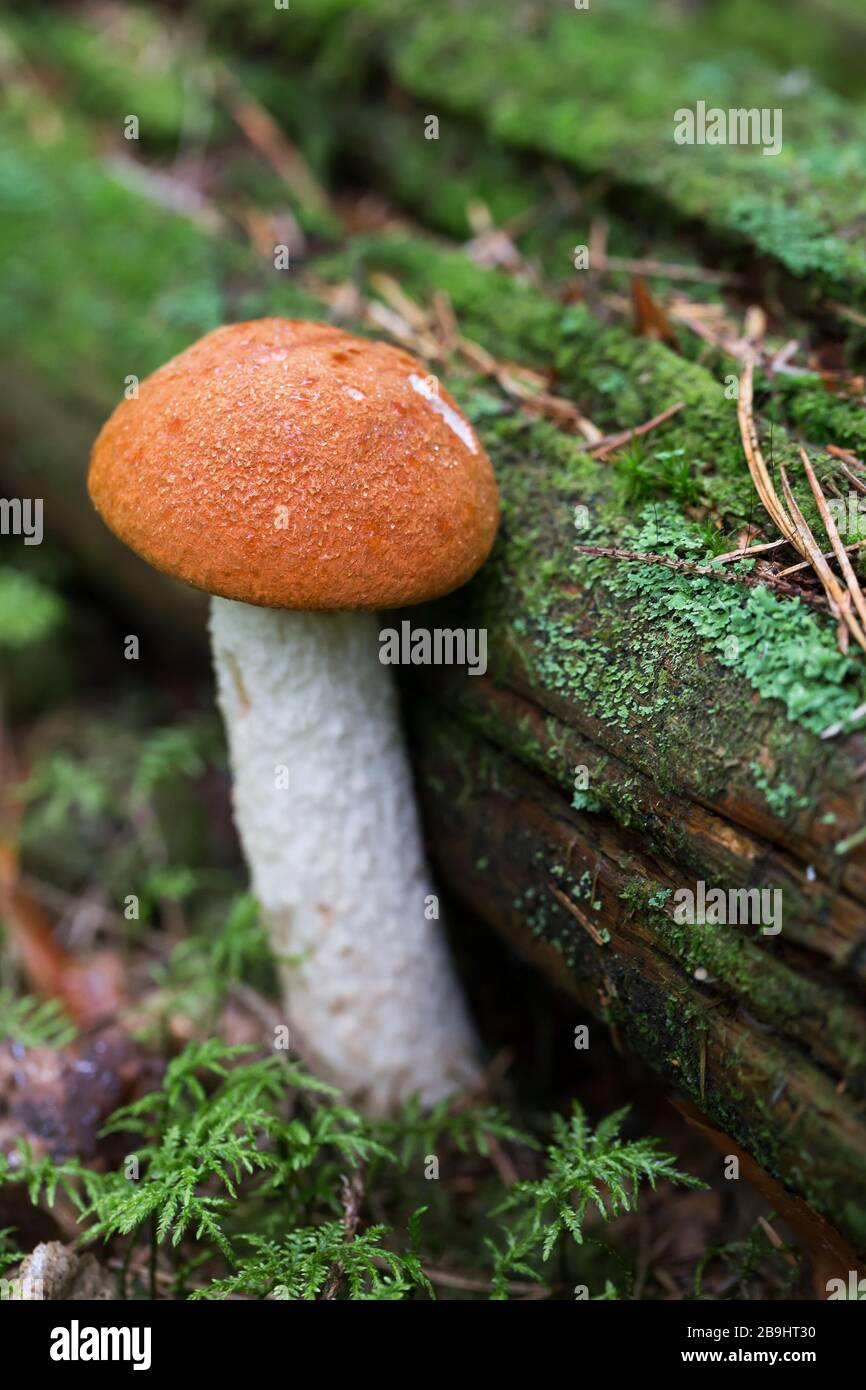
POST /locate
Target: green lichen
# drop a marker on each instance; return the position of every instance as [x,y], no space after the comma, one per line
[781,648]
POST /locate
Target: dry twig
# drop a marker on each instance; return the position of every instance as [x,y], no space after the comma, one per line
[606,446]
[673,562]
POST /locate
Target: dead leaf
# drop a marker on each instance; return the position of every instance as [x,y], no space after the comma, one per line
[650,319]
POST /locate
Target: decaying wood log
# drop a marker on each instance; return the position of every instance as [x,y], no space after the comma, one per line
[573,891]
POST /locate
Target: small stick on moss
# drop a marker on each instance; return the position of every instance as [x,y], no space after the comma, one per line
[750,550]
[508,375]
[616,441]
[672,562]
[565,901]
[351,1197]
[268,137]
[447,1280]
[776,1241]
[858,483]
[846,312]
[844,454]
[667,270]
[805,564]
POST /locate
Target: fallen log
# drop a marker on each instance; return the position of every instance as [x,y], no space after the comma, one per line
[560,82]
[573,893]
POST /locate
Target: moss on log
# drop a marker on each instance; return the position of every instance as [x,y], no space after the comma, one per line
[574,84]
[540,872]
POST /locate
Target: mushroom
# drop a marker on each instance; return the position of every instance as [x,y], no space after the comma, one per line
[306,478]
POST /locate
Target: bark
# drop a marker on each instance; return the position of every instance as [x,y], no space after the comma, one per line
[514,850]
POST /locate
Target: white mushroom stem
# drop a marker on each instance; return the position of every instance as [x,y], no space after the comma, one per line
[324,804]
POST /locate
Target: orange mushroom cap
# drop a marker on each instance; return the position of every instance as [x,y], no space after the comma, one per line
[292,465]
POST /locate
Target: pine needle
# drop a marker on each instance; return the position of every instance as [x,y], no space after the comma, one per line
[673,562]
[832,532]
[791,523]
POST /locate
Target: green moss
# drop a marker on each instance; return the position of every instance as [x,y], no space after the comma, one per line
[617,380]
[782,649]
[734,963]
[145,284]
[782,797]
[29,610]
[130,63]
[620,119]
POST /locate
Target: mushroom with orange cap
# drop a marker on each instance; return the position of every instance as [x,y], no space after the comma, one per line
[305,478]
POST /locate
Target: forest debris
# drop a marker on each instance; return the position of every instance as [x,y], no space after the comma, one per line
[492,246]
[833,729]
[271,141]
[839,599]
[168,191]
[847,312]
[527,386]
[776,1241]
[673,562]
[556,408]
[611,442]
[847,460]
[479,1284]
[53,1271]
[89,986]
[712,325]
[828,361]
[57,1099]
[858,483]
[751,550]
[570,906]
[393,294]
[413,326]
[791,523]
[446,321]
[598,233]
[780,360]
[806,564]
[830,1254]
[708,322]
[755,326]
[382,316]
[667,270]
[835,540]
[266,229]
[852,842]
[351,1199]
[650,319]
[844,454]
